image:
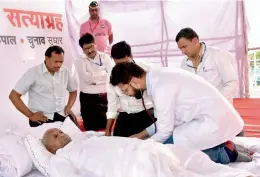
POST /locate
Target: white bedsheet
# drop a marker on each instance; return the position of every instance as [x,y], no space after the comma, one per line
[249,142]
[34,173]
[252,144]
[134,158]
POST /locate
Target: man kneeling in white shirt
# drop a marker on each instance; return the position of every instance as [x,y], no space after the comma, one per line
[199,117]
[129,157]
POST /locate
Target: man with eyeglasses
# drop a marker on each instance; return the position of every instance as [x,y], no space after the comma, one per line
[199,118]
[93,75]
[100,28]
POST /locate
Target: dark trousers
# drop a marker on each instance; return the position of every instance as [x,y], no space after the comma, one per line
[223,153]
[56,117]
[93,108]
[218,154]
[129,124]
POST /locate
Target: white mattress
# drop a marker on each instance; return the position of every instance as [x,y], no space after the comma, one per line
[34,173]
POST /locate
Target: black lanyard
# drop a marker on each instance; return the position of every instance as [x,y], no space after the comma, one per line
[100,61]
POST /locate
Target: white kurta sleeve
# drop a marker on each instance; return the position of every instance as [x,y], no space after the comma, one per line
[165,114]
[151,130]
[229,77]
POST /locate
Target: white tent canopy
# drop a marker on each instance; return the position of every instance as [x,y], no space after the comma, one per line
[150,27]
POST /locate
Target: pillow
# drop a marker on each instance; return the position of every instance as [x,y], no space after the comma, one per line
[71,129]
[15,149]
[13,143]
[7,163]
[39,154]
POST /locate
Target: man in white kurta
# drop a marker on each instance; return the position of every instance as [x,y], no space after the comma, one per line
[187,106]
[116,156]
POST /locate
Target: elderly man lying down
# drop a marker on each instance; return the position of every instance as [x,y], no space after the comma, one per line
[126,157]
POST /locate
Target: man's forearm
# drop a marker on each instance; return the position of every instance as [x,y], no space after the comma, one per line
[19,104]
[110,123]
[72,99]
[143,134]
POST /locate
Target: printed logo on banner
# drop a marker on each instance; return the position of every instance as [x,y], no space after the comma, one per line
[29,19]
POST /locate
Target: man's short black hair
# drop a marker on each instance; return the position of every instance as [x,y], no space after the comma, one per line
[122,73]
[56,49]
[186,33]
[93,4]
[121,50]
[86,39]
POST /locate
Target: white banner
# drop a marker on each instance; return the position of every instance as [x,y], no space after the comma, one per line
[28,28]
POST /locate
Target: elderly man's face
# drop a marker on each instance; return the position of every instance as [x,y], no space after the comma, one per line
[54,139]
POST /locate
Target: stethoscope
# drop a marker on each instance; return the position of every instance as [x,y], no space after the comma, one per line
[149,114]
[201,58]
[100,61]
